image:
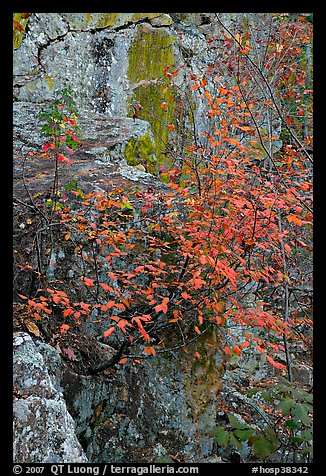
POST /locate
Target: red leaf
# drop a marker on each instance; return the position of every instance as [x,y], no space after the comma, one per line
[123,361]
[149,351]
[64,328]
[109,332]
[277,365]
[88,282]
[237,349]
[47,146]
[107,306]
[185,295]
[67,312]
[63,158]
[163,306]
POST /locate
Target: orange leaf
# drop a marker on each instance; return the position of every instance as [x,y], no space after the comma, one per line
[106,287]
[123,361]
[287,248]
[294,219]
[171,127]
[164,105]
[277,365]
[197,354]
[64,328]
[107,306]
[237,349]
[163,306]
[195,86]
[149,351]
[21,296]
[88,282]
[67,312]
[109,332]
[197,330]
[218,319]
[122,324]
[244,344]
[17,25]
[185,295]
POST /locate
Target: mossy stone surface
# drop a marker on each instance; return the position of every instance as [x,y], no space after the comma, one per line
[150,51]
[142,151]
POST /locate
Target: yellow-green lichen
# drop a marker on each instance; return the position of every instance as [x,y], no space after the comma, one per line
[31,87]
[49,82]
[142,151]
[88,17]
[106,20]
[204,380]
[150,51]
[18,32]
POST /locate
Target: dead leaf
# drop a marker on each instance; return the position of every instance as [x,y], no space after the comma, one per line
[98,409]
[31,327]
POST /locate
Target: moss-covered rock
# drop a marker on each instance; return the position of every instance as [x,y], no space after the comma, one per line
[142,151]
[114,20]
[150,51]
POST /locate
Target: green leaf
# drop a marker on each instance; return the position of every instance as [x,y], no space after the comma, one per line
[296,439]
[244,435]
[302,395]
[72,185]
[235,422]
[306,435]
[292,424]
[299,413]
[221,436]
[263,448]
[252,391]
[267,396]
[236,443]
[272,437]
[308,449]
[285,405]
[126,204]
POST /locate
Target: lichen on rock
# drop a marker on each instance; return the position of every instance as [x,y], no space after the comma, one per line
[150,52]
[44,431]
[142,151]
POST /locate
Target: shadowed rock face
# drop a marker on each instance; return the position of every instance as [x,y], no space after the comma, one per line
[44,431]
[136,413]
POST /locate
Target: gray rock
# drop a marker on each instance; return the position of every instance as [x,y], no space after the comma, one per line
[43,431]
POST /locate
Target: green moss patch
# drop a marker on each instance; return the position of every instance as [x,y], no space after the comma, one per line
[150,51]
[142,151]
